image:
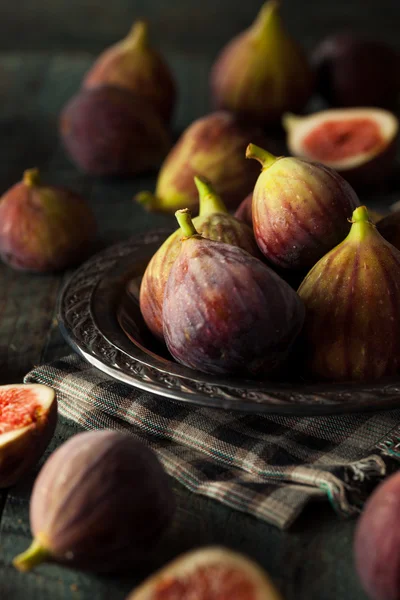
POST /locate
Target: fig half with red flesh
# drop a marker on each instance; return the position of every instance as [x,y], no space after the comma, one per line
[211,573]
[28,417]
[359,143]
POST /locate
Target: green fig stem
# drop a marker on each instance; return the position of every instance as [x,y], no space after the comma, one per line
[184,218]
[289,120]
[210,202]
[265,158]
[31,177]
[33,556]
[147,200]
[268,19]
[138,35]
[361,224]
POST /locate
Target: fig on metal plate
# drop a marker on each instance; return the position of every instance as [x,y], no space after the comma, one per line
[28,418]
[226,312]
[210,573]
[262,72]
[352,299]
[100,503]
[300,209]
[133,64]
[214,222]
[359,143]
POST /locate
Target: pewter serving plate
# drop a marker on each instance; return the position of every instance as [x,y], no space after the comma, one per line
[99,315]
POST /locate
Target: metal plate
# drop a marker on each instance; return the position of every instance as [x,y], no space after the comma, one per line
[99,315]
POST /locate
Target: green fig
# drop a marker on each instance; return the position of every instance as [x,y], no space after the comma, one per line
[215,223]
[352,299]
[300,209]
[262,72]
[212,147]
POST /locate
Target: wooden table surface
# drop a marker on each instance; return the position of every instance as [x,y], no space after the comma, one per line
[313,560]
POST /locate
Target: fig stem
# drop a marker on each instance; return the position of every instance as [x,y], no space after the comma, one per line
[184,218]
[289,120]
[268,19]
[147,200]
[210,202]
[138,34]
[361,224]
[265,158]
[33,556]
[31,177]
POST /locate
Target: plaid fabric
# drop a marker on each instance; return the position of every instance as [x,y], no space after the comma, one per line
[267,466]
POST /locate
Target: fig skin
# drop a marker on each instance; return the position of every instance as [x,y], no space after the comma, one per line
[109,131]
[372,166]
[244,210]
[44,228]
[220,572]
[262,72]
[22,447]
[300,209]
[211,147]
[225,312]
[346,293]
[215,223]
[389,228]
[100,503]
[377,542]
[132,64]
[352,71]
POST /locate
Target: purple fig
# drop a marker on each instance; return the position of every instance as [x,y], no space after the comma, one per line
[132,64]
[300,209]
[352,71]
[346,295]
[359,143]
[389,228]
[211,147]
[225,312]
[244,211]
[108,130]
[100,503]
[262,72]
[214,222]
[44,228]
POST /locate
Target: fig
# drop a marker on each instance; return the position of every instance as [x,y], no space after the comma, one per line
[225,311]
[300,209]
[244,211]
[211,573]
[345,294]
[389,228]
[100,503]
[108,130]
[353,71]
[215,223]
[134,65]
[44,228]
[212,147]
[28,418]
[262,72]
[359,143]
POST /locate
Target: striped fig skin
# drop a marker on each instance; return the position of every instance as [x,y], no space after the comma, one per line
[225,312]
[101,502]
[219,227]
[300,212]
[352,299]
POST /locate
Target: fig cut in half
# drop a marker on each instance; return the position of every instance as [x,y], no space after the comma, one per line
[208,574]
[359,143]
[28,417]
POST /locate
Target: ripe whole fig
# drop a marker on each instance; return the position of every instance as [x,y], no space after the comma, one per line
[134,65]
[209,573]
[215,223]
[44,228]
[211,147]
[352,299]
[389,228]
[28,418]
[244,210]
[100,503]
[262,72]
[108,130]
[300,209]
[359,143]
[352,71]
[226,312]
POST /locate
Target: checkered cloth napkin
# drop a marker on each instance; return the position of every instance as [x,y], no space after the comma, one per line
[267,466]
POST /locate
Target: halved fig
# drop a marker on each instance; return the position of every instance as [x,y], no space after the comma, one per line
[359,143]
[28,417]
[211,573]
